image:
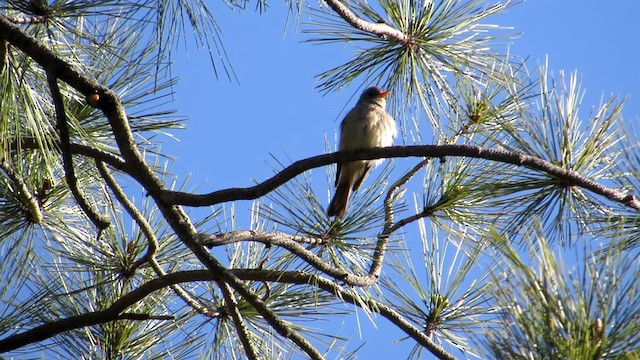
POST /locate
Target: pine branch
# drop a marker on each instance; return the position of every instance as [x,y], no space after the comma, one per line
[116,310]
[569,177]
[78,149]
[381,29]
[113,312]
[289,242]
[241,328]
[22,193]
[100,221]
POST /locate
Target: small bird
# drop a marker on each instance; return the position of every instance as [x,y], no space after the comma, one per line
[366,126]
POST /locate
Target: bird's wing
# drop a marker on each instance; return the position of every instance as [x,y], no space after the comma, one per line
[364,173]
[348,129]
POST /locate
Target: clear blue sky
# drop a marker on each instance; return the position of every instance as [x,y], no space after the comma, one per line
[274,109]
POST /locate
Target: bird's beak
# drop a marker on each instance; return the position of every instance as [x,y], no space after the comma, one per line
[384,94]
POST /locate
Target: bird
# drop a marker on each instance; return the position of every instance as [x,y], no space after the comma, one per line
[366,126]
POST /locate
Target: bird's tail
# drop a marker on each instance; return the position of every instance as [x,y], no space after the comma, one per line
[338,204]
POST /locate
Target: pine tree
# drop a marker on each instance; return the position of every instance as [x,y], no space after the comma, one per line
[505,227]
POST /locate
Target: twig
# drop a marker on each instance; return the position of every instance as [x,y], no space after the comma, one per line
[100,221]
[23,194]
[79,149]
[383,238]
[286,241]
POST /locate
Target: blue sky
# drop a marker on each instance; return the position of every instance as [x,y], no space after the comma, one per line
[274,108]
[233,127]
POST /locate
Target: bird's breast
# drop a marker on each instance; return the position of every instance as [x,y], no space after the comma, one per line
[367,129]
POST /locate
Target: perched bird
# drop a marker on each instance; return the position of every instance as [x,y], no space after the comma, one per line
[366,126]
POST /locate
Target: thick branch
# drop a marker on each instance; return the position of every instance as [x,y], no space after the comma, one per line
[380,28]
[43,56]
[115,311]
[112,313]
[430,151]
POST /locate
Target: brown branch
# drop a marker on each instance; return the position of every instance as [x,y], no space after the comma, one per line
[99,220]
[113,312]
[430,151]
[116,310]
[79,149]
[383,238]
[236,317]
[152,241]
[289,243]
[380,28]
[47,59]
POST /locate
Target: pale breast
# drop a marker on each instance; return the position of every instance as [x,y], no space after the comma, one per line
[367,127]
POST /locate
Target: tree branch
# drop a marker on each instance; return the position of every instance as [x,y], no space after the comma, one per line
[381,29]
[430,151]
[99,220]
[238,322]
[117,309]
[289,243]
[79,149]
[112,313]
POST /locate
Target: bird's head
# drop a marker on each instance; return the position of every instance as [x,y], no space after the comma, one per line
[374,95]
